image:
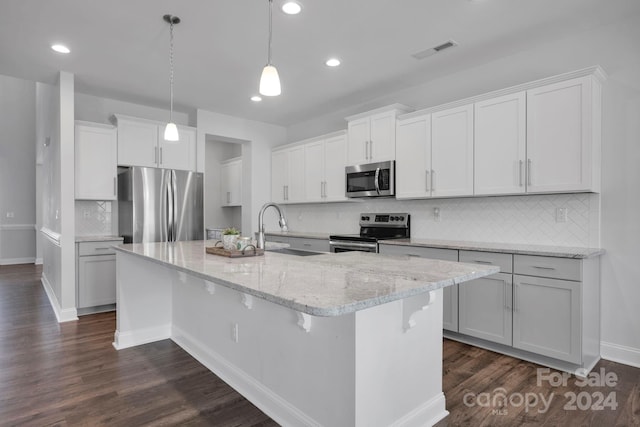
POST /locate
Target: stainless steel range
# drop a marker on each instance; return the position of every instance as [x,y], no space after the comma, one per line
[373,227]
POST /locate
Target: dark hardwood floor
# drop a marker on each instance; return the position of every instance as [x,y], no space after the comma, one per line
[69,374]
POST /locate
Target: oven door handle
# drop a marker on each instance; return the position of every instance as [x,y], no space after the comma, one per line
[376,179]
[348,245]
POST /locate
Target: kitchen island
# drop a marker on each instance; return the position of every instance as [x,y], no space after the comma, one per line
[350,339]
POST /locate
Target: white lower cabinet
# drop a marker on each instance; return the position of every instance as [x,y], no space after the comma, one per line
[449,293]
[231,182]
[95,276]
[543,309]
[546,317]
[485,308]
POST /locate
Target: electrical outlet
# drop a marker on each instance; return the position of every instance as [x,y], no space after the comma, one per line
[234,332]
[562,214]
[10,214]
[436,214]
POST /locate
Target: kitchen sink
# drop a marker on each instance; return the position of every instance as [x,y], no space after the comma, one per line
[290,251]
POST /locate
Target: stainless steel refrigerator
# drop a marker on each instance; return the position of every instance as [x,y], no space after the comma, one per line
[159,205]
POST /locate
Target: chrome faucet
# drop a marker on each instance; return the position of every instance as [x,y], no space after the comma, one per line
[282,222]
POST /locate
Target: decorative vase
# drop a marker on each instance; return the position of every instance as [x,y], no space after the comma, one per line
[229,241]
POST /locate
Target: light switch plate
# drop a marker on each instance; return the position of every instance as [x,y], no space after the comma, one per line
[562,214]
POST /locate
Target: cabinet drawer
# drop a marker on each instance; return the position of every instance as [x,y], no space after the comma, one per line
[504,261]
[318,245]
[542,266]
[97,248]
[277,239]
[433,253]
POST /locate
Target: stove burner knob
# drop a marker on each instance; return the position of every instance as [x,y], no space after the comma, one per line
[363,218]
[401,218]
[394,218]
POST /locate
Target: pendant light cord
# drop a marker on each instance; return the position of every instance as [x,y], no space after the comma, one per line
[270,30]
[171,70]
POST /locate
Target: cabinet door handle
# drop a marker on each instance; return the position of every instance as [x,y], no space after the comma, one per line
[433,180]
[366,150]
[528,171]
[515,298]
[520,173]
[370,150]
[543,268]
[102,249]
[160,155]
[482,262]
[115,186]
[155,154]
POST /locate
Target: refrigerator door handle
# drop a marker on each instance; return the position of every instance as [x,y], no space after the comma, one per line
[174,206]
[169,209]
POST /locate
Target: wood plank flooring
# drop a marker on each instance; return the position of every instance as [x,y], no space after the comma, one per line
[70,375]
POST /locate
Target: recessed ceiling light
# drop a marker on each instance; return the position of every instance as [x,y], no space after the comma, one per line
[256,98]
[332,62]
[60,48]
[291,7]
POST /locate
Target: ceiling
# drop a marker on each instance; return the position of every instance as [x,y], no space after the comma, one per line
[119,48]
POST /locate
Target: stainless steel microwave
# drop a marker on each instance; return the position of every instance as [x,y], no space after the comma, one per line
[371,180]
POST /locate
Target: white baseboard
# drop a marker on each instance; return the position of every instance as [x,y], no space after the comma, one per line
[11,261]
[65,315]
[265,399]
[38,261]
[427,414]
[142,336]
[620,354]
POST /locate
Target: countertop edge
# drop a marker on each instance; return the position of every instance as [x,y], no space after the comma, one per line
[319,311]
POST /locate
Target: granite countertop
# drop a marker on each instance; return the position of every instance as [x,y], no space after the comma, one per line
[514,248]
[97,238]
[303,234]
[320,285]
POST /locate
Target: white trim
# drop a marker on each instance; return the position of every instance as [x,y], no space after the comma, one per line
[427,414]
[65,315]
[17,226]
[38,261]
[309,140]
[398,108]
[142,336]
[94,124]
[12,261]
[595,71]
[51,235]
[620,354]
[264,398]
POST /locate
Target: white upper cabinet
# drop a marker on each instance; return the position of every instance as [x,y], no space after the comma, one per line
[413,157]
[372,136]
[434,154]
[141,143]
[452,152]
[500,145]
[178,154]
[95,161]
[288,175]
[137,142]
[324,166]
[563,136]
[231,182]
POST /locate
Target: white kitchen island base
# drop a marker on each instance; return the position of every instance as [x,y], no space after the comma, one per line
[360,369]
[349,339]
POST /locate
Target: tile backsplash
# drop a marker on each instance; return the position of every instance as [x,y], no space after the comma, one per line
[94,218]
[532,219]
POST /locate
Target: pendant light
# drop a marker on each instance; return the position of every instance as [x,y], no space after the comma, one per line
[270,81]
[171,131]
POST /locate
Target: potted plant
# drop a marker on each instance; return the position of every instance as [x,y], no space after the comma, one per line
[229,238]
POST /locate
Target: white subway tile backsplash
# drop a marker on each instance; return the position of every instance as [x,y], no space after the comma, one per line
[507,219]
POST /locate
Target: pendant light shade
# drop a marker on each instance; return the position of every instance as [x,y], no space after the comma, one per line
[270,80]
[171,130]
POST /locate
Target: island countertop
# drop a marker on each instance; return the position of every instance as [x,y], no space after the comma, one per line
[330,284]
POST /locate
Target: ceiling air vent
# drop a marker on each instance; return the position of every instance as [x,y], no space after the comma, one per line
[432,51]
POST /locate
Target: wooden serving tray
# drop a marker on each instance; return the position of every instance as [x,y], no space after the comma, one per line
[247,252]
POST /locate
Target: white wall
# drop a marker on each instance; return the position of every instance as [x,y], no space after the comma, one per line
[55,126]
[17,171]
[258,139]
[615,48]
